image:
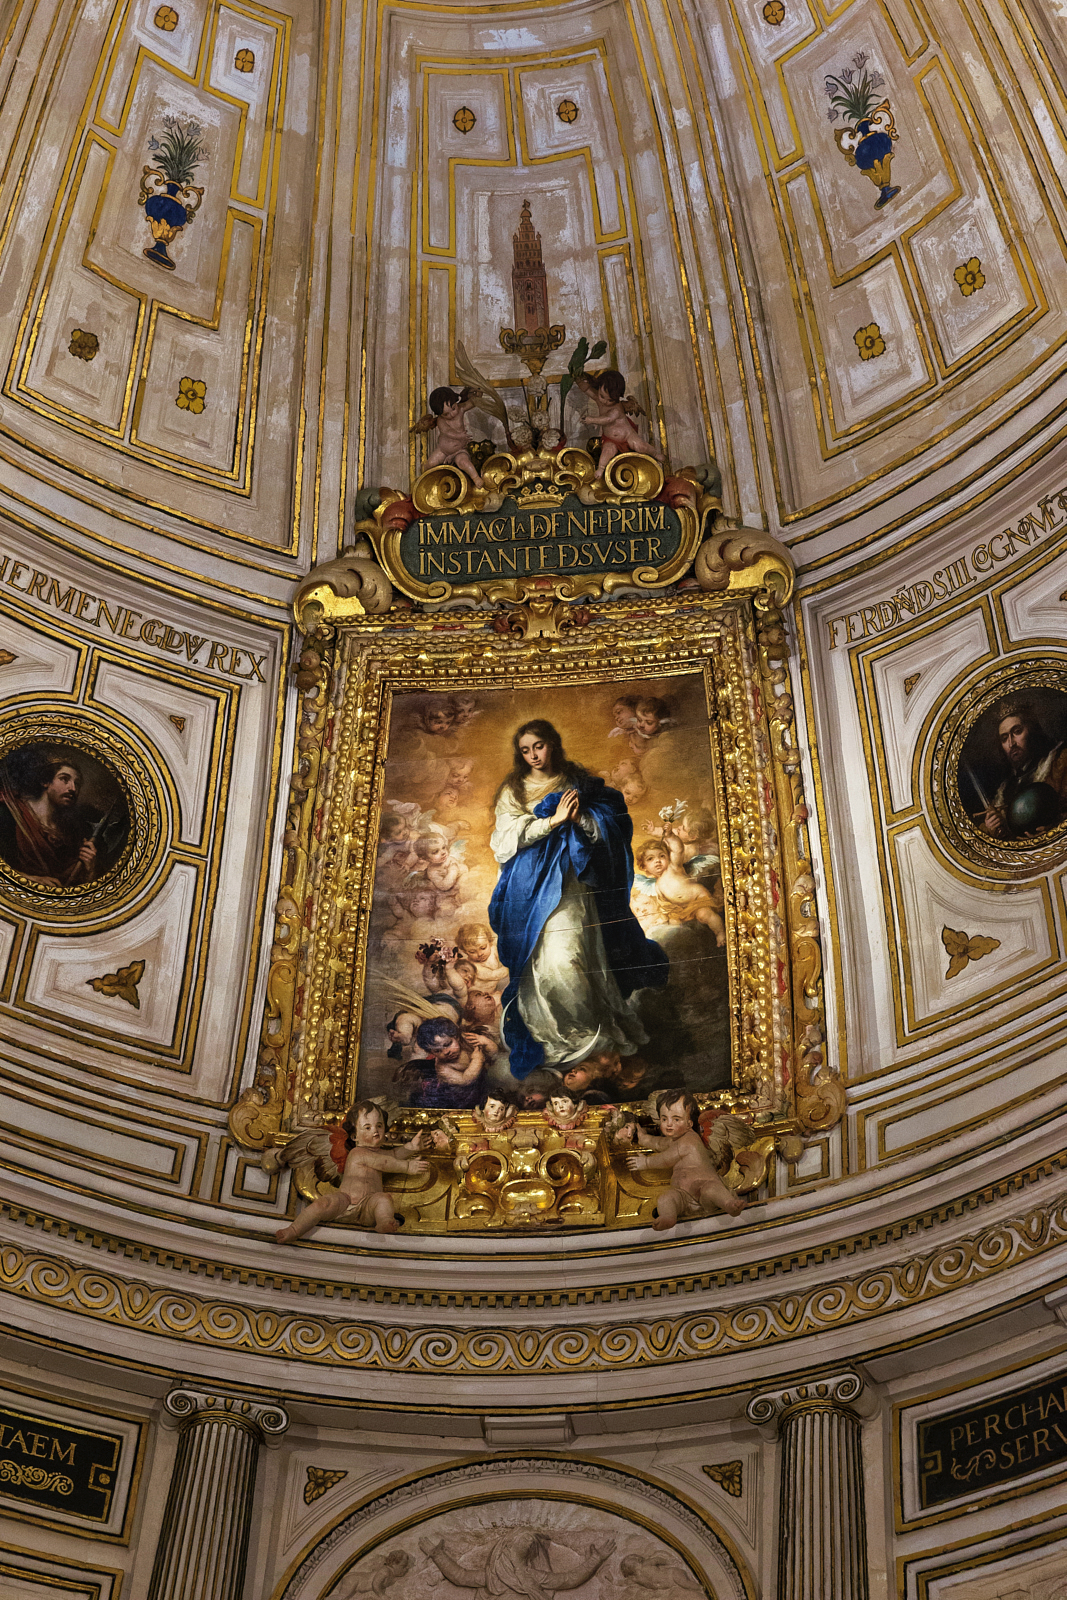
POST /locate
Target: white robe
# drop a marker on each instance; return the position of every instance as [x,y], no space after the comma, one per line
[568,996]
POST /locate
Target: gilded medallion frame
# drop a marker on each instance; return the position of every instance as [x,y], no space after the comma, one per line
[357,659]
[1022,857]
[71,727]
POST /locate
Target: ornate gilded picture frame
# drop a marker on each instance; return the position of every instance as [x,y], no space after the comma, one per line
[692,962]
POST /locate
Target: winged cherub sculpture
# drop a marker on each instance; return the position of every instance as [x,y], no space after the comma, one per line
[352,1153]
[448,414]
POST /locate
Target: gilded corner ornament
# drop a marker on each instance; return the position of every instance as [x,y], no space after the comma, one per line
[351,585]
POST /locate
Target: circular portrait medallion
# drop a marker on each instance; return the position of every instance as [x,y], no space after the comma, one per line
[80,819]
[999,779]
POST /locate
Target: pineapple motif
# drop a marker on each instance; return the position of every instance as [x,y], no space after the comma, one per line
[169,197]
[866,142]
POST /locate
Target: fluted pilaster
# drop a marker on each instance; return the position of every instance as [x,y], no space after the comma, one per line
[204,1541]
[822,1551]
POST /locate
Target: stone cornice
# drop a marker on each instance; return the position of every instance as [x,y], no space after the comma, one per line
[613,1343]
[456,1297]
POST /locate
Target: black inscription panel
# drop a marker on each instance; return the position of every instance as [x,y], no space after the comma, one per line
[1005,1438]
[57,1468]
[466,547]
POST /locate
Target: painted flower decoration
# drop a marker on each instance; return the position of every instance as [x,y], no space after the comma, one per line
[869,341]
[969,276]
[191,395]
[673,813]
[83,345]
[853,92]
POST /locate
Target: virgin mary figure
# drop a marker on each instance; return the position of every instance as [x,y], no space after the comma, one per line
[575,952]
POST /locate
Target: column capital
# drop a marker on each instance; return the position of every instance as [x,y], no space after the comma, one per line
[264,1418]
[838,1391]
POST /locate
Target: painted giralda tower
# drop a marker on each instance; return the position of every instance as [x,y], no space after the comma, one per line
[528,281]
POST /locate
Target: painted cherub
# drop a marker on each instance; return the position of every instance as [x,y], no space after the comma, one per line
[396,858]
[414,911]
[614,408]
[623,714]
[456,786]
[441,868]
[697,829]
[664,892]
[651,717]
[476,942]
[695,1183]
[447,414]
[360,1198]
[439,964]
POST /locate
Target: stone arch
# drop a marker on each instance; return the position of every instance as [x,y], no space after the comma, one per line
[489,1489]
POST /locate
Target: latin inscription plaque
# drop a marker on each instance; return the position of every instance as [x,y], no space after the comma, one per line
[57,1468]
[991,1444]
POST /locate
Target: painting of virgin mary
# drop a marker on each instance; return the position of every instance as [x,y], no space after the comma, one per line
[547,904]
[561,910]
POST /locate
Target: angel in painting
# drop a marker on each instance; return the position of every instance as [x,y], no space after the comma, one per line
[447,413]
[443,868]
[475,941]
[664,893]
[614,408]
[695,826]
[353,1153]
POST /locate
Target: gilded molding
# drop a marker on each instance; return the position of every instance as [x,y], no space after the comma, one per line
[456,1298]
[820,1095]
[256,1116]
[323,1341]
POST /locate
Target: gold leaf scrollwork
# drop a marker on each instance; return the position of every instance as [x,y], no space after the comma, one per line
[310,1336]
[39,1478]
[633,476]
[352,584]
[441,489]
[744,557]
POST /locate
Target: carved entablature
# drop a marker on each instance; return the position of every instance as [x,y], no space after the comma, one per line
[412,960]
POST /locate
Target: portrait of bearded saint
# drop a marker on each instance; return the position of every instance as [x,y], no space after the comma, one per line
[518,1561]
[44,833]
[1033,791]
